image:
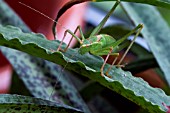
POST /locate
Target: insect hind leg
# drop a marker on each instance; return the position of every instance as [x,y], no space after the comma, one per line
[127,50]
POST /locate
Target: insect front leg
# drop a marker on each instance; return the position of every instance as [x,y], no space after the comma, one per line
[73,35]
[81,34]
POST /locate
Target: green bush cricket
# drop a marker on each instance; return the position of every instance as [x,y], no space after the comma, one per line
[101,44]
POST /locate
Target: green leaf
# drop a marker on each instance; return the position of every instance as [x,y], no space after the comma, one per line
[156,32]
[21,104]
[135,89]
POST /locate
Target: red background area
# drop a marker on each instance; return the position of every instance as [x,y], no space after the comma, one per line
[40,24]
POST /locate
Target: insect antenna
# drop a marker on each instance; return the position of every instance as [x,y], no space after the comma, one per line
[55,37]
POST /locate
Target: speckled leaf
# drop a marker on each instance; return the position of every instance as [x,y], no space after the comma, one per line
[44,79]
[156,32]
[135,89]
[21,104]
[39,75]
